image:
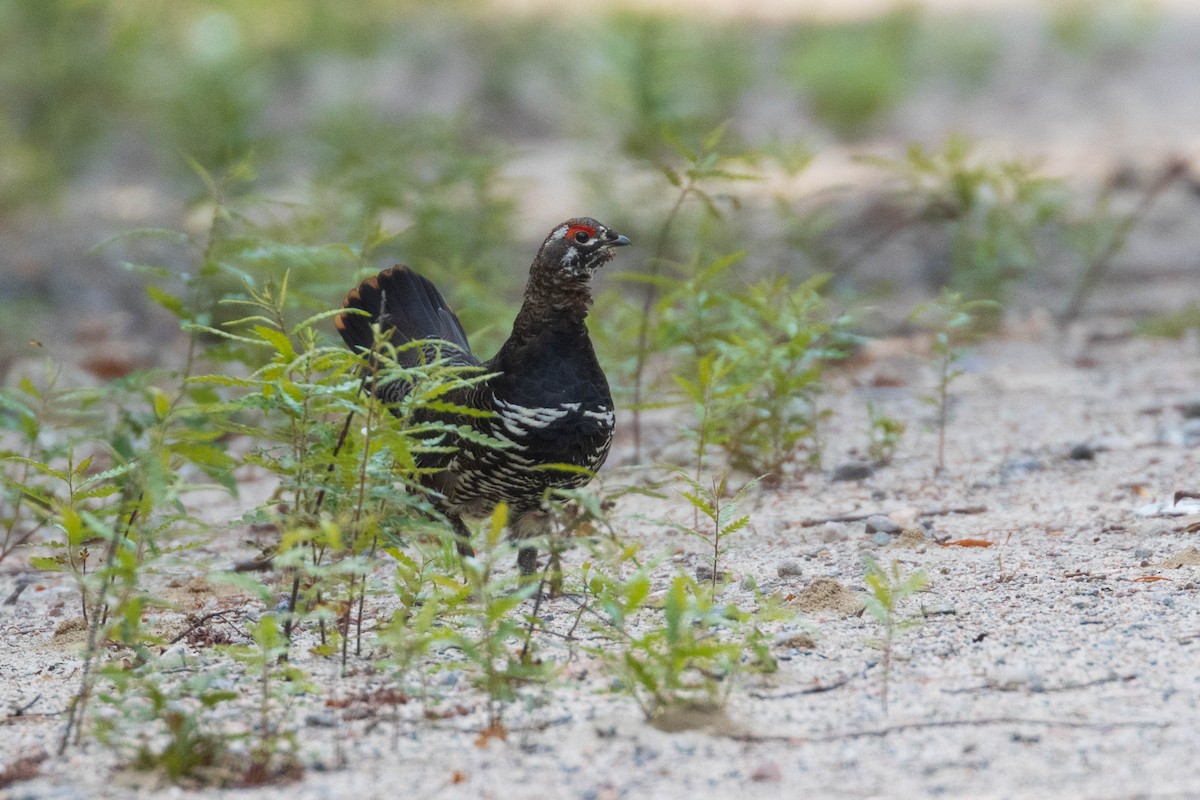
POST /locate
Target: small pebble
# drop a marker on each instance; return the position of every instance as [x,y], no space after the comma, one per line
[796,641]
[1142,553]
[878,523]
[852,471]
[881,539]
[766,772]
[321,719]
[789,569]
[833,532]
[1082,452]
[174,656]
[1021,466]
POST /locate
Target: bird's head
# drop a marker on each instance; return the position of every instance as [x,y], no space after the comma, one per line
[577,247]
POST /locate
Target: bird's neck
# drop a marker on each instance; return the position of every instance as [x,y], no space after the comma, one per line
[551,302]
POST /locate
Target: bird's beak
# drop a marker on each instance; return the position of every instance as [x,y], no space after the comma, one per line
[619,241]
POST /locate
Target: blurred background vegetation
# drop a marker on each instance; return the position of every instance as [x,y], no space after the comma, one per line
[452,135]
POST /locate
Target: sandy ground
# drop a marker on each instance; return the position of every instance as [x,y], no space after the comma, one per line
[1063,660]
[1058,662]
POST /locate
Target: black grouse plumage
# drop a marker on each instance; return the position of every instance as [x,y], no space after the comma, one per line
[549,397]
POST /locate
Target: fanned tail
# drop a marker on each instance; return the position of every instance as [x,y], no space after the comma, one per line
[408,308]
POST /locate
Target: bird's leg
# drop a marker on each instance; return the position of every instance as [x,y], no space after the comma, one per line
[462,534]
[526,524]
[527,560]
[462,540]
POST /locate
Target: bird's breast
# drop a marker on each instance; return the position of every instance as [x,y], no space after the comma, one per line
[568,432]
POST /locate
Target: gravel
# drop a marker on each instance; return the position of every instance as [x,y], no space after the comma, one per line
[1061,661]
[852,471]
[878,523]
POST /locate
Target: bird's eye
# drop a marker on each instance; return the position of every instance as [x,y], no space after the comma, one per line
[581,236]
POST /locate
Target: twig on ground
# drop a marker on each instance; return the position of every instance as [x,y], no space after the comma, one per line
[820,689]
[863,515]
[49,715]
[200,622]
[754,738]
[19,711]
[994,686]
[533,727]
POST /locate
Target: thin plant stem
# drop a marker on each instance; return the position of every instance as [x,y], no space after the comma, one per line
[362,599]
[649,296]
[889,628]
[290,620]
[716,495]
[289,623]
[346,621]
[78,705]
[537,605]
[943,412]
[1094,271]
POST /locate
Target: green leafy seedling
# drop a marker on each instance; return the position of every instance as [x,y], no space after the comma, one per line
[883,435]
[886,589]
[722,515]
[951,318]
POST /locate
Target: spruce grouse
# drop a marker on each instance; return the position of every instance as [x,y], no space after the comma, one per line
[549,398]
